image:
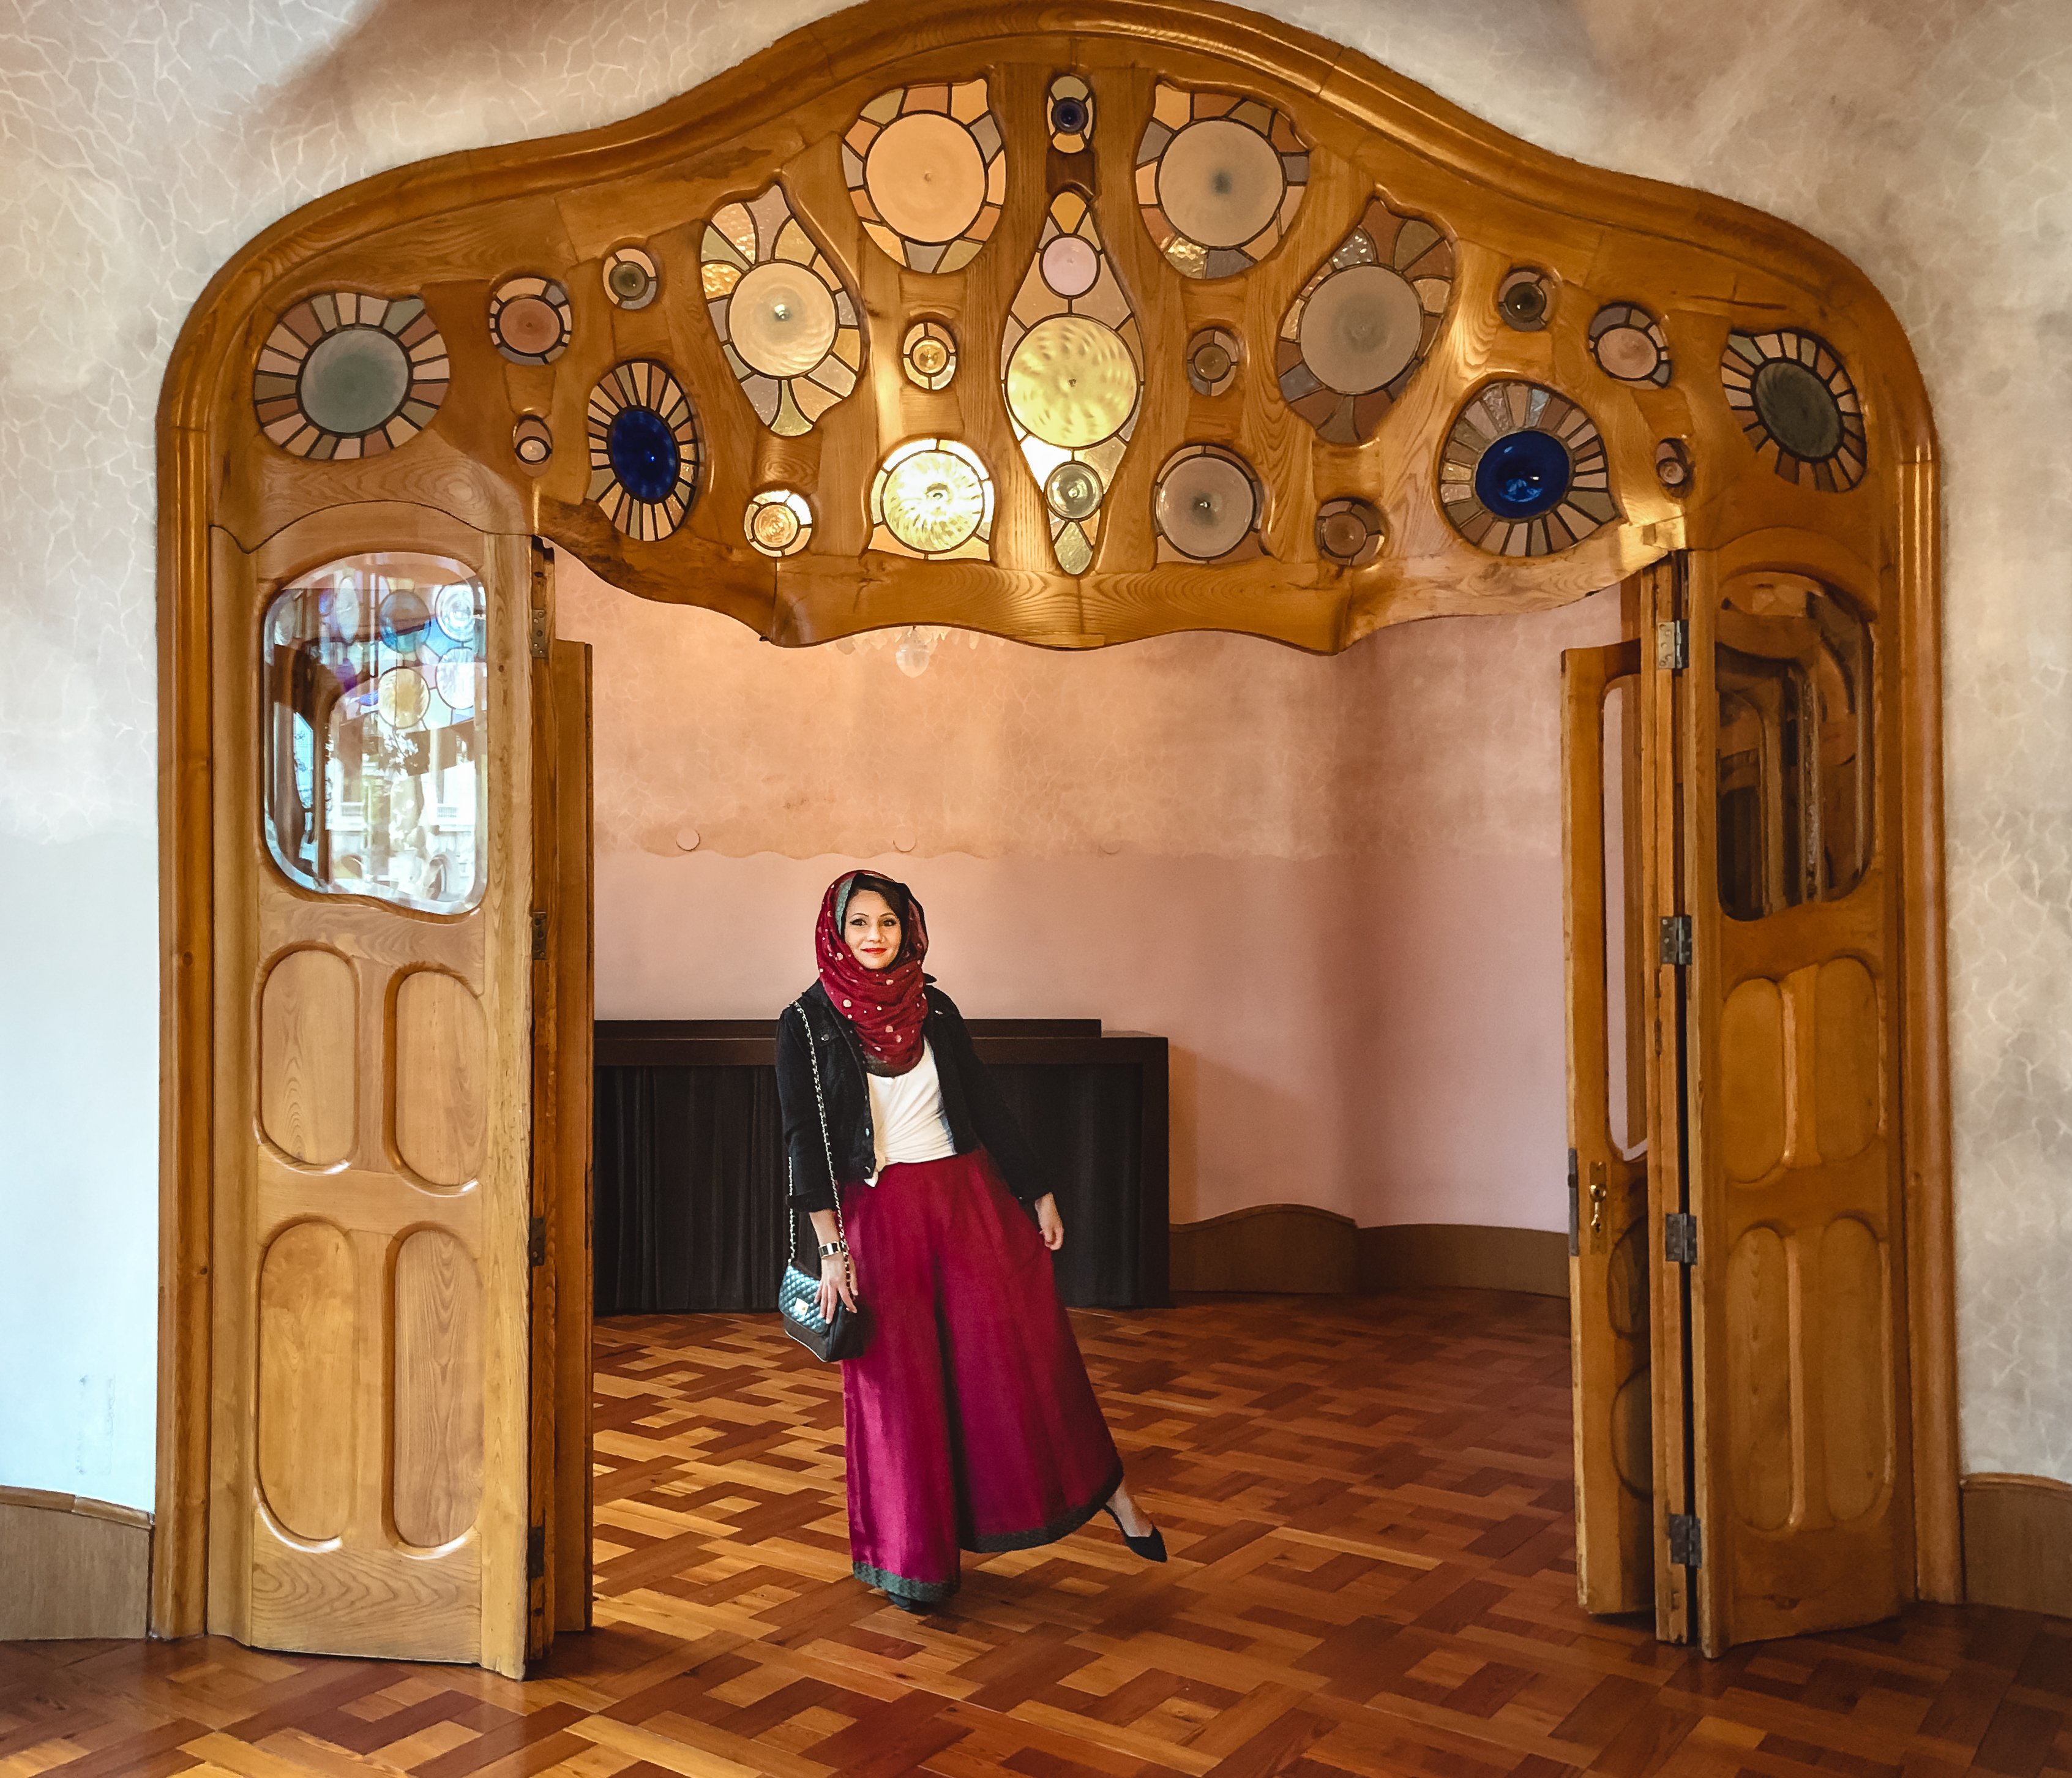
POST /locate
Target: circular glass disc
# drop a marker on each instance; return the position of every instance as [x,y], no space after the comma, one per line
[1342,535]
[1360,329]
[401,696]
[926,176]
[456,676]
[1220,183]
[1627,353]
[1522,475]
[1797,406]
[355,379]
[1071,382]
[782,318]
[643,451]
[404,617]
[776,525]
[1070,265]
[1073,492]
[1205,506]
[529,323]
[933,501]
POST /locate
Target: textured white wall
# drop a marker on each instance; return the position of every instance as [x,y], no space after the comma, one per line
[140,145]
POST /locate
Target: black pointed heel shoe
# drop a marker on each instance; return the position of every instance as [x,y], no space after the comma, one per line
[1151,1546]
[913,1607]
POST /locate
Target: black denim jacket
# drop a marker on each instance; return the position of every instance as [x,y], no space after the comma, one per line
[979,1117]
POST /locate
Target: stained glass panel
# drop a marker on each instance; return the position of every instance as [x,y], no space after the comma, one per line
[1523,471]
[344,376]
[374,680]
[1219,178]
[926,169]
[933,498]
[1795,402]
[1208,506]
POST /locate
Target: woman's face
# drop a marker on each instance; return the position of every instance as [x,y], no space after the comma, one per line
[872,930]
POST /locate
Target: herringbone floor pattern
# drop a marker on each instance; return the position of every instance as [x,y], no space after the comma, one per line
[1368,1506]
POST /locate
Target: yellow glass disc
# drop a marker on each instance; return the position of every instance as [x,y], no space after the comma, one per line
[1071,382]
[933,501]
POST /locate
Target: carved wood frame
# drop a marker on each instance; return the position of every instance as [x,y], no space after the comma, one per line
[1696,259]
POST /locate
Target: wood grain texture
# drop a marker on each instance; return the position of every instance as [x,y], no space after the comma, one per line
[2018,1542]
[309,1062]
[450,226]
[309,1339]
[440,1070]
[1293,1247]
[1367,1507]
[74,1566]
[436,1461]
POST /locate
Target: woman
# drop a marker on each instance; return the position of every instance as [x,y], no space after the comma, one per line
[970,1420]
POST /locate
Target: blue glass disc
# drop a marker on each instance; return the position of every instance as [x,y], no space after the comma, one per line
[404,617]
[644,452]
[1522,475]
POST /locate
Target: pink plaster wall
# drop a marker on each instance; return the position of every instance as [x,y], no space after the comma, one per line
[1334,884]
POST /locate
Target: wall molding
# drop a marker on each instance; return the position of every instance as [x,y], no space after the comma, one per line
[1302,1249]
[75,1567]
[2017,1541]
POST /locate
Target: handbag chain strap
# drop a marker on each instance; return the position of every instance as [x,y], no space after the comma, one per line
[827,1145]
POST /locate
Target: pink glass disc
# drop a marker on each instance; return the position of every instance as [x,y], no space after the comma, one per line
[1070,265]
[529,324]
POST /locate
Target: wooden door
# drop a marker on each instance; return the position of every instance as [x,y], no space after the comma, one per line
[369,1433]
[1601,836]
[1798,1347]
[558,1595]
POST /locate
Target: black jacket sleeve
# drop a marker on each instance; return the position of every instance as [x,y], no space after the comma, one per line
[993,1122]
[805,1152]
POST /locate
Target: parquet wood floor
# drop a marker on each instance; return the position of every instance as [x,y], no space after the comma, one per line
[1368,1505]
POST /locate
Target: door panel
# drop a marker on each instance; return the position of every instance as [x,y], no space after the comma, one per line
[1793,1170]
[1608,1264]
[368,1436]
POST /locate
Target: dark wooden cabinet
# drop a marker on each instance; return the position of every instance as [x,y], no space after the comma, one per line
[689,1163]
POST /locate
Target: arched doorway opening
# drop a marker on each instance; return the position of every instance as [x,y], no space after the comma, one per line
[911,319]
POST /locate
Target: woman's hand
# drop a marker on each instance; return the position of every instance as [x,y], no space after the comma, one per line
[837,1283]
[1049,1224]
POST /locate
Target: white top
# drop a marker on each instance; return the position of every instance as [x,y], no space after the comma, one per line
[906,1119]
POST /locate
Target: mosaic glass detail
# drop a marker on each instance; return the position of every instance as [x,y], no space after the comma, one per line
[785,321]
[644,449]
[1523,472]
[1219,178]
[530,320]
[1207,507]
[1073,374]
[1214,355]
[1069,112]
[344,376]
[926,169]
[532,440]
[1349,531]
[779,521]
[928,355]
[374,737]
[1630,346]
[1793,399]
[1672,465]
[1525,299]
[630,278]
[933,498]
[1357,331]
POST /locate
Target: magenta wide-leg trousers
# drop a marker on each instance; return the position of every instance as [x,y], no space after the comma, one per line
[970,1420]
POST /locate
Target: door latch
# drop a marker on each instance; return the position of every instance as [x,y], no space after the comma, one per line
[1679,1238]
[1675,943]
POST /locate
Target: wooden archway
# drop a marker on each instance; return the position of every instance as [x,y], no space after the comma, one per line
[241,515]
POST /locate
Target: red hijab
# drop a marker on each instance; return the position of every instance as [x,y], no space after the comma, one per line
[888,1007]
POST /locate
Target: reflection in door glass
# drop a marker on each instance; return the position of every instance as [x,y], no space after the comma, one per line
[1793,668]
[373,689]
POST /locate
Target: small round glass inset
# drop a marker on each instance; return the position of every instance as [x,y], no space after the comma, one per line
[1208,505]
[1630,346]
[1071,114]
[1525,299]
[1214,355]
[530,320]
[1348,531]
[630,279]
[532,440]
[928,355]
[779,521]
[1672,466]
[1074,490]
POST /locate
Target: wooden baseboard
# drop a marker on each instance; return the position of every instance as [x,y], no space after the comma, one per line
[1414,1256]
[1298,1248]
[2017,1541]
[74,1567]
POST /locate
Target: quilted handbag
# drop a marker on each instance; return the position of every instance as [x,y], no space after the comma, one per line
[840,1336]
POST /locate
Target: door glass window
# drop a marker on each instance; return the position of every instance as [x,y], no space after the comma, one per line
[1793,670]
[373,688]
